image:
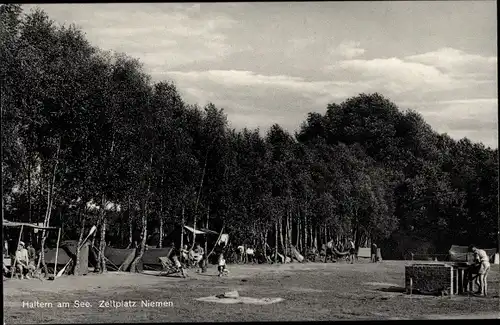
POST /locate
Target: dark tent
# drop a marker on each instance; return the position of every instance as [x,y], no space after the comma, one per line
[67,252]
[50,257]
[151,255]
[118,258]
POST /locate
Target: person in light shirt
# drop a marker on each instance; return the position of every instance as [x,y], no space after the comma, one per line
[481,257]
[222,265]
[22,261]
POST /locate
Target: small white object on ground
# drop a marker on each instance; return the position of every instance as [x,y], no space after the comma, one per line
[241,300]
[231,294]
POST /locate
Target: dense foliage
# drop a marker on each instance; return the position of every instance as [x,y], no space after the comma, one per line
[81,125]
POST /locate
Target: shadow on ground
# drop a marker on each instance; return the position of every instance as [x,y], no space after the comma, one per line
[393,289]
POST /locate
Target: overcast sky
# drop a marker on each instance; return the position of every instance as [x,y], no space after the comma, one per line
[268,63]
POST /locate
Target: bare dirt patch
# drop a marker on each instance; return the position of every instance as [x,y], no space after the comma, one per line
[312,291]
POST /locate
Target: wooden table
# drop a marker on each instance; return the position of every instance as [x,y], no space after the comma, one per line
[460,285]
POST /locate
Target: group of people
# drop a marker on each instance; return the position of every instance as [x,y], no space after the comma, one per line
[196,258]
[22,261]
[329,250]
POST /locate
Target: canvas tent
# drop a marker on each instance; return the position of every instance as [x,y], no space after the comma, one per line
[120,259]
[462,254]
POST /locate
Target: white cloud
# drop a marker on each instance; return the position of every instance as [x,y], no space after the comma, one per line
[238,78]
[163,36]
[349,49]
[456,61]
[475,118]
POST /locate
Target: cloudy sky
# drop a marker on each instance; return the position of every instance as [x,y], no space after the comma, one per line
[268,63]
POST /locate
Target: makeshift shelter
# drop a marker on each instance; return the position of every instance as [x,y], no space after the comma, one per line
[462,254]
[175,235]
[23,225]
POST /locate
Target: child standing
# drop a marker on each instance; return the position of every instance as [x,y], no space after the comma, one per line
[222,265]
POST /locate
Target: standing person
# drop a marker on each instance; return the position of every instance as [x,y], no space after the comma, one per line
[241,253]
[184,254]
[352,251]
[5,248]
[328,249]
[483,269]
[222,265]
[250,255]
[374,252]
[199,257]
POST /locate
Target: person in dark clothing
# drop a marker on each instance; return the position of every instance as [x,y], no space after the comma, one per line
[374,252]
[31,252]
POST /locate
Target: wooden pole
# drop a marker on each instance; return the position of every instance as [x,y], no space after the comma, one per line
[13,269]
[57,252]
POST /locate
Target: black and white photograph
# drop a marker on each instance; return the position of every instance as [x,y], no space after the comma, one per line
[249,161]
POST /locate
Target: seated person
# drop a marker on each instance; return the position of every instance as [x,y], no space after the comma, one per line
[31,252]
[22,262]
[196,255]
[174,257]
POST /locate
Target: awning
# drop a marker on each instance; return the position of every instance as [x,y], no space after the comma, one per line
[7,223]
[202,231]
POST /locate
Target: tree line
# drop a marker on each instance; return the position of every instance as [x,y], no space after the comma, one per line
[81,125]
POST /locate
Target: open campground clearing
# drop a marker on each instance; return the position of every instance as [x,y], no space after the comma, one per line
[310,291]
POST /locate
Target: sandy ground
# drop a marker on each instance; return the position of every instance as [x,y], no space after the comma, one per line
[311,291]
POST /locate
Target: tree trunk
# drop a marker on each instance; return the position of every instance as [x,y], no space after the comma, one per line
[198,197]
[313,236]
[76,268]
[44,236]
[50,199]
[194,232]
[276,241]
[326,234]
[306,225]
[285,235]
[101,261]
[160,243]
[206,239]
[139,252]
[182,228]
[130,224]
[266,233]
[281,232]
[289,231]
[29,198]
[102,246]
